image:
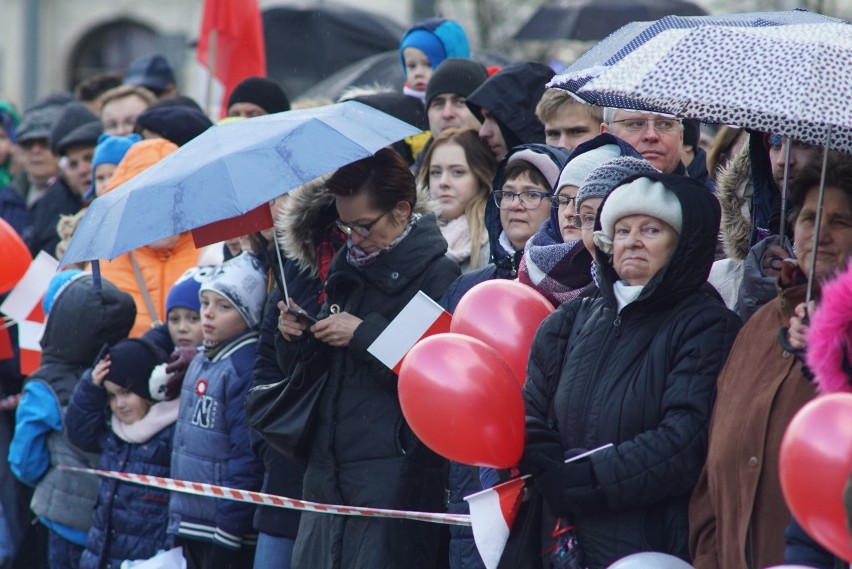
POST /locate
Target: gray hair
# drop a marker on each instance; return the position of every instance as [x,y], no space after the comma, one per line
[609,114]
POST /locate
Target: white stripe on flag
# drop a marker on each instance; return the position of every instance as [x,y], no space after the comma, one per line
[29,335]
[405,330]
[31,288]
[492,512]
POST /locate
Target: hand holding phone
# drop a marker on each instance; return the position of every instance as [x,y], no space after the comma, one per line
[302,315]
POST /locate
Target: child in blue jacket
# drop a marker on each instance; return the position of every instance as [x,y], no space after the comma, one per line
[112,412]
[82,318]
[211,441]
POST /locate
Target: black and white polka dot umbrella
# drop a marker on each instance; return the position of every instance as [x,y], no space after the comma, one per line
[790,80]
[627,39]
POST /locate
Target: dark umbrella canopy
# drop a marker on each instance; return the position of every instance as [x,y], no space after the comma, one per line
[382,69]
[307,42]
[589,20]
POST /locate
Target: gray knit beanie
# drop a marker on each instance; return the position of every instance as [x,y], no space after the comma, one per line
[610,174]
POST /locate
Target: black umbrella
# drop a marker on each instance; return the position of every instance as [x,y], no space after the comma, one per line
[306,43]
[590,20]
[383,69]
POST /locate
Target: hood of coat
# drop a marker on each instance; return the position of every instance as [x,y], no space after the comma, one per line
[500,256]
[308,216]
[511,95]
[83,318]
[733,183]
[139,158]
[689,267]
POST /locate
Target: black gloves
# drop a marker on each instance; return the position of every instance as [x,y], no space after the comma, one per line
[566,488]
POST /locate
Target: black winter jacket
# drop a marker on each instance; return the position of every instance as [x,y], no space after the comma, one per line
[643,380]
[363,452]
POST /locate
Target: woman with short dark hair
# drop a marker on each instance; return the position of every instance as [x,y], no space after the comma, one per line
[363,452]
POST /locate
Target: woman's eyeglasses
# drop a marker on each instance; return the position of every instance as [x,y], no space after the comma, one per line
[361,229]
[584,221]
[529,200]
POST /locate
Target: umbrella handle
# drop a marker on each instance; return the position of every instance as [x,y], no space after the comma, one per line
[817,225]
[280,280]
[96,274]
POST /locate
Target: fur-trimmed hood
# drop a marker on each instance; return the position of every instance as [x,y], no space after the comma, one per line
[307,214]
[733,183]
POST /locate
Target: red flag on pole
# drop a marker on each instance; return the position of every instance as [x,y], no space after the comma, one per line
[230,46]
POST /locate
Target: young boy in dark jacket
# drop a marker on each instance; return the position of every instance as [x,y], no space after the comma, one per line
[211,441]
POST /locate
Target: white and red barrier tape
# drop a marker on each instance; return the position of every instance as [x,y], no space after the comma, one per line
[263,499]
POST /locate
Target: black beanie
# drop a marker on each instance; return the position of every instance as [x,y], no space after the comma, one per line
[404,107]
[178,124]
[691,131]
[131,362]
[263,92]
[457,76]
[76,125]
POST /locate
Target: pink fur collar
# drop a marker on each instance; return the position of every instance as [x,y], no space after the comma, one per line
[830,335]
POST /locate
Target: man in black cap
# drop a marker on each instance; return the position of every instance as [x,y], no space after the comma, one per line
[446,99]
[73,138]
[257,96]
[40,167]
[447,92]
[154,73]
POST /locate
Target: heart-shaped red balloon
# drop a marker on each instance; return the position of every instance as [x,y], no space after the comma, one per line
[505,315]
[15,257]
[815,462]
[461,399]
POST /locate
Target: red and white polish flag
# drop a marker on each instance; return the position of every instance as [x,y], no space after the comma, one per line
[24,306]
[420,318]
[492,513]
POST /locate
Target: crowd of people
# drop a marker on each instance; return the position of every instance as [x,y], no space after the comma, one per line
[676,348]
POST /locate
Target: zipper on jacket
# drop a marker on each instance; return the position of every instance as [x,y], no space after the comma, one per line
[591,386]
[617,324]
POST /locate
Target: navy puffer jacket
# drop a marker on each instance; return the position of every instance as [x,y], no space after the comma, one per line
[130,520]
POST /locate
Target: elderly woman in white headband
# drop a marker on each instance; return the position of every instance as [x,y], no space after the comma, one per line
[635,368]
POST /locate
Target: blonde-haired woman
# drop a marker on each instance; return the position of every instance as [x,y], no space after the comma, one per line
[457,172]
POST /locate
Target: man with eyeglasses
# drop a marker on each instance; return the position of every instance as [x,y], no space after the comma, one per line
[658,138]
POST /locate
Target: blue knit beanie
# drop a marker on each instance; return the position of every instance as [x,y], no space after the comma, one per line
[185,292]
[110,150]
[438,39]
[57,283]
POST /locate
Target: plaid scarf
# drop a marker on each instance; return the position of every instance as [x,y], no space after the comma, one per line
[547,267]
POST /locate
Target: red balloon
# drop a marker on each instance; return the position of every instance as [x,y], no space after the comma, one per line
[15,255]
[505,315]
[462,401]
[815,462]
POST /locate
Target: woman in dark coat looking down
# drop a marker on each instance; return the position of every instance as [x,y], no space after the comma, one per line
[363,452]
